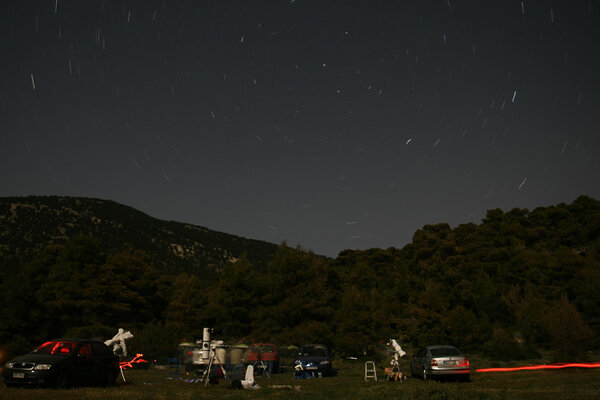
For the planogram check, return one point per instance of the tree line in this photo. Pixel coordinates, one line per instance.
(520, 282)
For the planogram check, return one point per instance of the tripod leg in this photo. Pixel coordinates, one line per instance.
(221, 366)
(207, 371)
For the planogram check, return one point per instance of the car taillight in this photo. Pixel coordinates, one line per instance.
(434, 362)
(466, 361)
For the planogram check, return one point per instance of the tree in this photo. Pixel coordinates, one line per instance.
(569, 333)
(86, 288)
(187, 309)
(61, 294)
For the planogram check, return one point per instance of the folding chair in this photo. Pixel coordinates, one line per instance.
(173, 365)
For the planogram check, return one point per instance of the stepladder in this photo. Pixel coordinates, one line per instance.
(370, 372)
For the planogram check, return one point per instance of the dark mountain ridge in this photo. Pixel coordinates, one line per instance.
(28, 224)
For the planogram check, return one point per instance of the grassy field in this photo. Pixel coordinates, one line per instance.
(349, 383)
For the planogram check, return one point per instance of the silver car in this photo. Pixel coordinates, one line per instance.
(440, 360)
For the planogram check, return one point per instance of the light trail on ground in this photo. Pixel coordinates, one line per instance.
(538, 367)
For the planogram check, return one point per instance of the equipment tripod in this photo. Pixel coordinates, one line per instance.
(206, 374)
(394, 373)
(260, 364)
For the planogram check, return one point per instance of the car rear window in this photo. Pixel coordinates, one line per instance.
(56, 347)
(100, 350)
(313, 351)
(264, 348)
(445, 352)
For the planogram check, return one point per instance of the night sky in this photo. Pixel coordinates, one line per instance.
(330, 124)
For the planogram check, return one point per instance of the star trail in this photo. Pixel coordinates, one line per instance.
(329, 124)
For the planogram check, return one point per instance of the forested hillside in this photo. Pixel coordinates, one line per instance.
(28, 224)
(520, 282)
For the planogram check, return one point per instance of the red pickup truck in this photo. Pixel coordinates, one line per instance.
(265, 353)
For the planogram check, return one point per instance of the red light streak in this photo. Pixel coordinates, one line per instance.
(135, 360)
(544, 366)
(58, 347)
(55, 348)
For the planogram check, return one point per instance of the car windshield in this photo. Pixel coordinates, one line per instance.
(445, 352)
(313, 351)
(56, 347)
